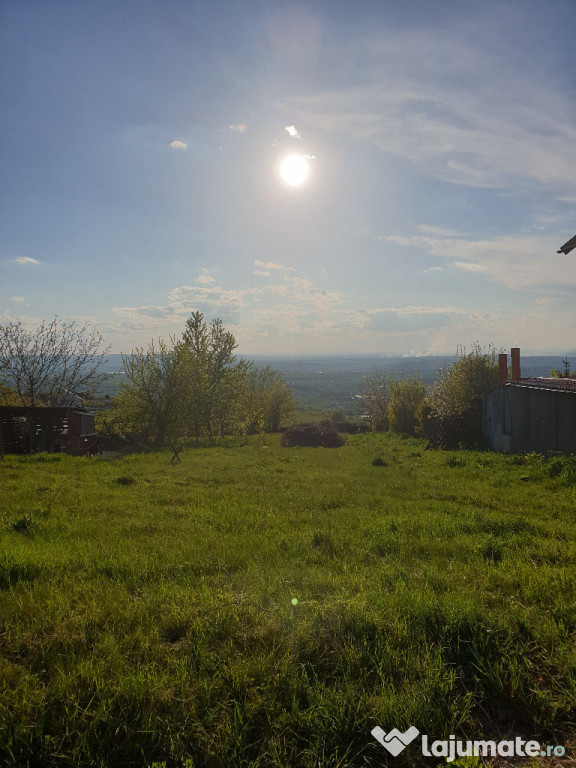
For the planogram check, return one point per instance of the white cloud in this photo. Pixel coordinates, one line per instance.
(291, 131)
(205, 279)
(517, 262)
(300, 283)
(294, 316)
(178, 144)
(471, 267)
(440, 231)
(268, 264)
(470, 118)
(240, 128)
(261, 272)
(416, 310)
(25, 260)
(17, 298)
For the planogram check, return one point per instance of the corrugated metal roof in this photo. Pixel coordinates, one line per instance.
(559, 385)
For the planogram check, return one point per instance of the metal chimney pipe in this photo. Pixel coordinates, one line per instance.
(503, 368)
(515, 352)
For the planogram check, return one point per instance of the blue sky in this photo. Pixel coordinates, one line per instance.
(141, 143)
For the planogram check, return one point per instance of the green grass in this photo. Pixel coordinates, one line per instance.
(147, 609)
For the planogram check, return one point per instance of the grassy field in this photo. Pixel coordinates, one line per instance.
(260, 607)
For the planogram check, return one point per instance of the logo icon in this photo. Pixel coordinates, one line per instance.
(395, 741)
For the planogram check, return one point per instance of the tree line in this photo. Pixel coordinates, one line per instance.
(194, 387)
(189, 388)
(405, 405)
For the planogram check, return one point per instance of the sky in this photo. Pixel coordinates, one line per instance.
(141, 146)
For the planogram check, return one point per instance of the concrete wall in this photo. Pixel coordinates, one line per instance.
(524, 419)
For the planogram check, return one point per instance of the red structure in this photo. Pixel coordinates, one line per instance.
(515, 354)
(503, 368)
(63, 429)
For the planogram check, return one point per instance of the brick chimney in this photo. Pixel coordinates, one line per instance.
(515, 352)
(503, 368)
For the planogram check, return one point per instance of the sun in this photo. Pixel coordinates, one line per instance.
(294, 170)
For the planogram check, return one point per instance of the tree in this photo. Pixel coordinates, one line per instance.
(405, 395)
(565, 373)
(215, 377)
(268, 400)
(374, 400)
(189, 387)
(50, 365)
(152, 400)
(459, 388)
(195, 387)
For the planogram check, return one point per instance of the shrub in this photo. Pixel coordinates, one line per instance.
(425, 420)
(459, 388)
(404, 399)
(456, 397)
(348, 427)
(318, 435)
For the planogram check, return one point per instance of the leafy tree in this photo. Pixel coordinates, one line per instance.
(50, 365)
(215, 377)
(405, 396)
(374, 400)
(459, 388)
(268, 400)
(152, 400)
(195, 387)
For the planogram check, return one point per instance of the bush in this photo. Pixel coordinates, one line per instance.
(456, 398)
(425, 421)
(404, 399)
(322, 435)
(459, 388)
(348, 427)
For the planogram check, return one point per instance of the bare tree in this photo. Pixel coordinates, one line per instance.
(49, 365)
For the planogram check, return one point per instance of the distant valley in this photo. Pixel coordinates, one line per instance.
(331, 381)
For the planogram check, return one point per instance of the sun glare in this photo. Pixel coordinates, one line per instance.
(294, 170)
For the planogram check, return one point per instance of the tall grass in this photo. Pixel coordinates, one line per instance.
(267, 607)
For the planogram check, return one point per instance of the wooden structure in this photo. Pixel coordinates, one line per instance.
(61, 429)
